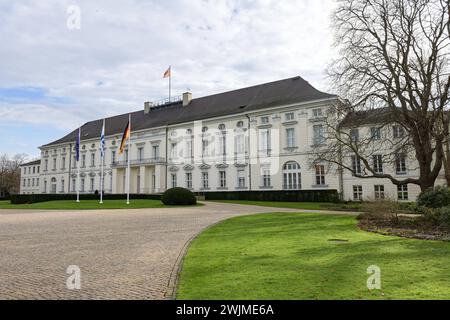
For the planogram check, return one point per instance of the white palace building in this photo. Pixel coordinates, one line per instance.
(255, 138)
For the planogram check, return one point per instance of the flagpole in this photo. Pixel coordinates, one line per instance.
(129, 157)
(78, 164)
(102, 138)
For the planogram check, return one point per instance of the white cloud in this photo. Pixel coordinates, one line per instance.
(116, 61)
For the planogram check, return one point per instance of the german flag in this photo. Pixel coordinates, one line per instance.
(125, 137)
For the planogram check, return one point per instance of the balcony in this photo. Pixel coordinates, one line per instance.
(138, 162)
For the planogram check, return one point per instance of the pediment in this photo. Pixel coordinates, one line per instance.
(204, 166)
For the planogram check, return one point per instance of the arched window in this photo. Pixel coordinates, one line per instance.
(292, 176)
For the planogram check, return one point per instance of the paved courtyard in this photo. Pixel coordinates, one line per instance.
(122, 254)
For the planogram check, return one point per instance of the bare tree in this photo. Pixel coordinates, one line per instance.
(10, 173)
(393, 56)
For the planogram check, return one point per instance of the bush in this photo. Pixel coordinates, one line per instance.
(382, 210)
(178, 196)
(43, 197)
(439, 216)
(285, 195)
(437, 197)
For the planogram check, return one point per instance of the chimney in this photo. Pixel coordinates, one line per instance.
(187, 97)
(147, 106)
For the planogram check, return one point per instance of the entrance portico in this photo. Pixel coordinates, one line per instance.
(146, 176)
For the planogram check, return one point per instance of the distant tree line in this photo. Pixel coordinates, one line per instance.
(10, 174)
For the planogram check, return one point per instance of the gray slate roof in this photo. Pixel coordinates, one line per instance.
(292, 90)
(364, 117)
(31, 163)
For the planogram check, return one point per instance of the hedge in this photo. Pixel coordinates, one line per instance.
(284, 195)
(33, 198)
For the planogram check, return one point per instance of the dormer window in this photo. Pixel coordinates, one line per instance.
(204, 129)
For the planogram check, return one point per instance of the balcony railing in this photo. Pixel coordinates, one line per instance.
(138, 162)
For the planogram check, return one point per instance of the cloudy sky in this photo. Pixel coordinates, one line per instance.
(54, 76)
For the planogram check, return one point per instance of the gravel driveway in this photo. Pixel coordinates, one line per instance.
(122, 254)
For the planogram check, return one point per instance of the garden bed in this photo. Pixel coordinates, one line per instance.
(415, 227)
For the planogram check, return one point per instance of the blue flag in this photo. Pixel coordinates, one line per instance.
(77, 145)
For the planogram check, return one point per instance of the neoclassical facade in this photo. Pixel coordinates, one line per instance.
(30, 177)
(255, 138)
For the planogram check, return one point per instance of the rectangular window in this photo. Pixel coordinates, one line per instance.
(205, 148)
(189, 154)
(92, 185)
(34, 170)
(354, 135)
(38, 169)
(223, 179)
(265, 120)
(379, 192)
(29, 182)
(375, 133)
(54, 164)
(62, 185)
(189, 180)
(82, 185)
(24, 170)
(241, 178)
(318, 134)
(290, 137)
(29, 170)
(205, 180)
(24, 182)
(240, 144)
(140, 153)
(174, 180)
(265, 140)
(155, 151)
(266, 178)
(398, 131)
(113, 157)
(356, 165)
(173, 151)
(32, 182)
(400, 163)
(126, 155)
(223, 145)
(63, 163)
(289, 116)
(317, 113)
(402, 192)
(320, 175)
(45, 186)
(74, 185)
(357, 193)
(83, 161)
(74, 162)
(46, 165)
(92, 159)
(37, 182)
(378, 163)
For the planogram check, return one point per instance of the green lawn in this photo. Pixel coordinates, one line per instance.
(85, 204)
(298, 205)
(289, 256)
